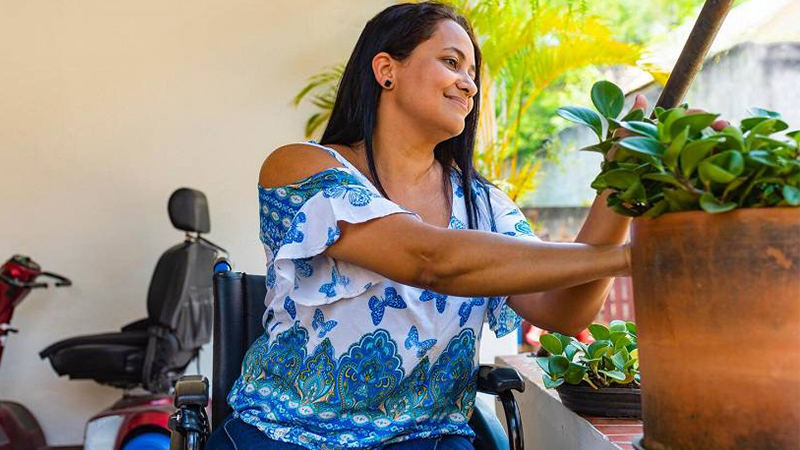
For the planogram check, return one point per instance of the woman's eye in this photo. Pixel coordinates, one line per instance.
(452, 62)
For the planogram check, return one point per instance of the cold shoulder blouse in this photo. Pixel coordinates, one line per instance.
(349, 358)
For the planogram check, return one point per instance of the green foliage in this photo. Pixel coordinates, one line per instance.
(677, 162)
(612, 359)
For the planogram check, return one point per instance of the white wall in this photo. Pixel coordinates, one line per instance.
(105, 109)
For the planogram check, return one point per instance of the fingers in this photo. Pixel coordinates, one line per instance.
(720, 124)
(640, 102)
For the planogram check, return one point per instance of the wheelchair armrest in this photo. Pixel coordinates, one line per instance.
(191, 390)
(500, 381)
(189, 424)
(497, 380)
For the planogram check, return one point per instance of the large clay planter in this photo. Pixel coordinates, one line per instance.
(717, 300)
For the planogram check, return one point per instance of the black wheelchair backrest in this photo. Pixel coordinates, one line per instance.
(238, 313)
(180, 293)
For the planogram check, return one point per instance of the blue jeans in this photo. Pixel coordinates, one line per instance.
(234, 434)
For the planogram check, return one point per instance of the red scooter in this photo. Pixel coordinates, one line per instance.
(138, 422)
(19, 429)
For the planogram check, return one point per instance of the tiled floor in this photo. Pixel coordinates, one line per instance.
(621, 432)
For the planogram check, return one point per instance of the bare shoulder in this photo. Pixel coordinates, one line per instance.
(292, 162)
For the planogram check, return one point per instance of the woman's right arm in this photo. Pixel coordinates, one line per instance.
(454, 262)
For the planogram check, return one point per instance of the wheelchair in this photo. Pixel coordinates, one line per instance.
(238, 311)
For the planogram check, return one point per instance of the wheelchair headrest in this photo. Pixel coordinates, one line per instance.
(188, 210)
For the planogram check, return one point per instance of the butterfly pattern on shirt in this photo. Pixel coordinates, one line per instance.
(378, 305)
(319, 324)
(384, 374)
(412, 341)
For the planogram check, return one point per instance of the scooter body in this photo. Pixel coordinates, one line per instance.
(134, 422)
(19, 429)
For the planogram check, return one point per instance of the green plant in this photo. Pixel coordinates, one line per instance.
(677, 162)
(613, 358)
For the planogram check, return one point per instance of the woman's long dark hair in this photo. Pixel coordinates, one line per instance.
(398, 30)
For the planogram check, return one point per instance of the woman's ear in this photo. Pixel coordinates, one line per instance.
(383, 68)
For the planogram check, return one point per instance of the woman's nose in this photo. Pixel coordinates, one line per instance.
(467, 85)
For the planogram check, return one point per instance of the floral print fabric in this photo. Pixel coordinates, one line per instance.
(349, 358)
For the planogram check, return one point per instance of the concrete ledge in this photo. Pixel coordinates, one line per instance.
(549, 425)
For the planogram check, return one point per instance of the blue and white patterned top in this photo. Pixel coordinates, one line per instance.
(349, 358)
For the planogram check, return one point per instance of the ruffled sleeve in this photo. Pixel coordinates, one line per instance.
(299, 221)
(508, 220)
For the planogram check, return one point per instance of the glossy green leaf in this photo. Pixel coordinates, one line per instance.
(673, 151)
(583, 116)
(558, 365)
(664, 178)
(732, 138)
(620, 178)
(761, 112)
(633, 115)
(634, 194)
(709, 172)
(712, 206)
(619, 361)
(695, 122)
(544, 363)
(641, 128)
(580, 345)
(680, 200)
(551, 343)
(733, 185)
(762, 157)
(599, 332)
(766, 127)
(669, 118)
(659, 111)
(721, 168)
(617, 325)
(602, 147)
(575, 373)
(599, 184)
(565, 340)
(643, 145)
(661, 207)
(550, 383)
(608, 99)
(791, 195)
(631, 327)
(621, 343)
(613, 374)
(794, 135)
(693, 153)
(570, 352)
(598, 348)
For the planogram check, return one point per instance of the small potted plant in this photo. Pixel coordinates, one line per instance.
(716, 269)
(598, 379)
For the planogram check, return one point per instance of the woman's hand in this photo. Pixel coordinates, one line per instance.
(640, 102)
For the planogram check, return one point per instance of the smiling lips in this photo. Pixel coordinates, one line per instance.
(460, 101)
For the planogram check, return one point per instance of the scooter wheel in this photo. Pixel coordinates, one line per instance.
(148, 441)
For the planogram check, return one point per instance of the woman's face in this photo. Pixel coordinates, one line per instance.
(435, 85)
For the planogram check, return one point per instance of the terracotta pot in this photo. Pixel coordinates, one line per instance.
(604, 402)
(717, 300)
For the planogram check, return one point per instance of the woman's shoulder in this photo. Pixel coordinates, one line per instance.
(289, 163)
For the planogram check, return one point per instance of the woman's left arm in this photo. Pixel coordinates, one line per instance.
(570, 310)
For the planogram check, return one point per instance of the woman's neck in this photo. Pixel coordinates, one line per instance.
(404, 157)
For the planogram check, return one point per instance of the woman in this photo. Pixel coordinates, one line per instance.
(386, 252)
